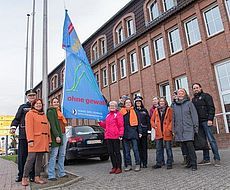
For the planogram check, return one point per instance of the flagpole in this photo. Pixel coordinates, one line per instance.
(32, 48)
(45, 68)
(26, 66)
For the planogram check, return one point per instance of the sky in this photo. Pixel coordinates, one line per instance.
(86, 15)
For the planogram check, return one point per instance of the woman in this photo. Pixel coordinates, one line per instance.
(114, 131)
(145, 125)
(155, 105)
(58, 147)
(38, 138)
(132, 133)
(161, 121)
(185, 125)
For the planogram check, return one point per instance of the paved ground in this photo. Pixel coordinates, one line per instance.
(208, 177)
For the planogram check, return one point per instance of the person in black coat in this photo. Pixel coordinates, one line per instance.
(19, 121)
(145, 125)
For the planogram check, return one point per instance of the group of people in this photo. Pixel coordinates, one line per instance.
(129, 122)
(37, 132)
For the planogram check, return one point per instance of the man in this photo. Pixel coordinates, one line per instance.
(121, 101)
(206, 112)
(19, 121)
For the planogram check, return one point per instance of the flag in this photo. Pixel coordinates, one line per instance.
(82, 98)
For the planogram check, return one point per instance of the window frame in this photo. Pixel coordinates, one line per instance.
(170, 44)
(164, 5)
(179, 78)
(120, 28)
(113, 79)
(104, 79)
(53, 85)
(150, 10)
(144, 57)
(123, 61)
(132, 28)
(133, 65)
(227, 8)
(155, 49)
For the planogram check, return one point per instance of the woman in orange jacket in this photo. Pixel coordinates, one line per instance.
(161, 121)
(38, 138)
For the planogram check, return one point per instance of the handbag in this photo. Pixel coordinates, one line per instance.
(153, 134)
(200, 141)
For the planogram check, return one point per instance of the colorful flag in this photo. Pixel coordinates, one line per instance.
(82, 98)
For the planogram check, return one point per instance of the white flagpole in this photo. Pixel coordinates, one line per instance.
(32, 48)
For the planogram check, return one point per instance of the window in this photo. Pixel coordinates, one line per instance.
(153, 10)
(130, 27)
(145, 56)
(159, 49)
(103, 47)
(133, 62)
(98, 48)
(165, 92)
(136, 94)
(213, 21)
(62, 75)
(104, 77)
(120, 36)
(182, 82)
(227, 3)
(95, 52)
(174, 41)
(168, 4)
(113, 73)
(39, 95)
(54, 82)
(192, 31)
(123, 68)
(97, 78)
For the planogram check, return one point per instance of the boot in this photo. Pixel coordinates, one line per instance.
(38, 180)
(25, 181)
(118, 171)
(113, 171)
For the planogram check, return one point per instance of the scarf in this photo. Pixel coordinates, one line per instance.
(61, 116)
(132, 117)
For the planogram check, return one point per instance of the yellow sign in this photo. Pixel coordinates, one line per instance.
(5, 122)
(6, 118)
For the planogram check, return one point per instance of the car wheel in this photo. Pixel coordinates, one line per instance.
(104, 158)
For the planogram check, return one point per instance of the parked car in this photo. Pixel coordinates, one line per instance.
(12, 151)
(85, 142)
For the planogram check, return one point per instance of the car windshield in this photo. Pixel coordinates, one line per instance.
(83, 130)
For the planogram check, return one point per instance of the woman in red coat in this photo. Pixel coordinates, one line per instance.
(38, 138)
(161, 121)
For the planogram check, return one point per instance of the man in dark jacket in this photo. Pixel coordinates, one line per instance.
(206, 113)
(19, 121)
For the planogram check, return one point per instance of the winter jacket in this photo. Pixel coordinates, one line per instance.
(55, 128)
(19, 120)
(185, 120)
(152, 110)
(166, 134)
(37, 131)
(204, 106)
(113, 125)
(131, 132)
(144, 120)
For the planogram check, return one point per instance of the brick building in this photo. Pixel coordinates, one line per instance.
(152, 47)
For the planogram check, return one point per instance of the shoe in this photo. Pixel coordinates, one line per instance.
(128, 168)
(217, 163)
(118, 171)
(156, 166)
(52, 179)
(194, 168)
(113, 171)
(18, 179)
(188, 165)
(64, 176)
(25, 181)
(137, 168)
(38, 180)
(31, 179)
(185, 160)
(204, 162)
(144, 166)
(169, 167)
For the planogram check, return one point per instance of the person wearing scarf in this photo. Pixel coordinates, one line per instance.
(145, 125)
(185, 125)
(161, 121)
(132, 131)
(38, 138)
(58, 147)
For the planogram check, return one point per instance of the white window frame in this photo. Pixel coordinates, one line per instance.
(143, 56)
(170, 44)
(156, 50)
(54, 85)
(179, 85)
(164, 4)
(228, 8)
(130, 27)
(123, 67)
(169, 99)
(113, 72)
(103, 48)
(150, 10)
(205, 20)
(187, 32)
(97, 78)
(137, 93)
(133, 62)
(120, 34)
(95, 52)
(104, 77)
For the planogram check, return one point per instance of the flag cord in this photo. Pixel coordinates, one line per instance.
(64, 2)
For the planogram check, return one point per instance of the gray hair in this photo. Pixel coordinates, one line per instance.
(114, 103)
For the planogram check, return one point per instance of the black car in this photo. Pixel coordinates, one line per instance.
(85, 142)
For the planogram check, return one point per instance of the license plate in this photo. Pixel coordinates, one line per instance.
(94, 142)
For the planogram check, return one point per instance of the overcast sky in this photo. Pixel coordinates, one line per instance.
(86, 15)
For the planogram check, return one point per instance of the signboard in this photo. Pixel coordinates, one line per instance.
(5, 122)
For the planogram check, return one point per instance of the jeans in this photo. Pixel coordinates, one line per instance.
(143, 150)
(114, 152)
(189, 146)
(60, 151)
(160, 151)
(212, 142)
(127, 156)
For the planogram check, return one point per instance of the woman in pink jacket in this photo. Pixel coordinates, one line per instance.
(114, 131)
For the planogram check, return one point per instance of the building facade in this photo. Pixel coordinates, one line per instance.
(153, 47)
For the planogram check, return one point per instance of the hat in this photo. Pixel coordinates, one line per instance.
(138, 98)
(30, 91)
(124, 97)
